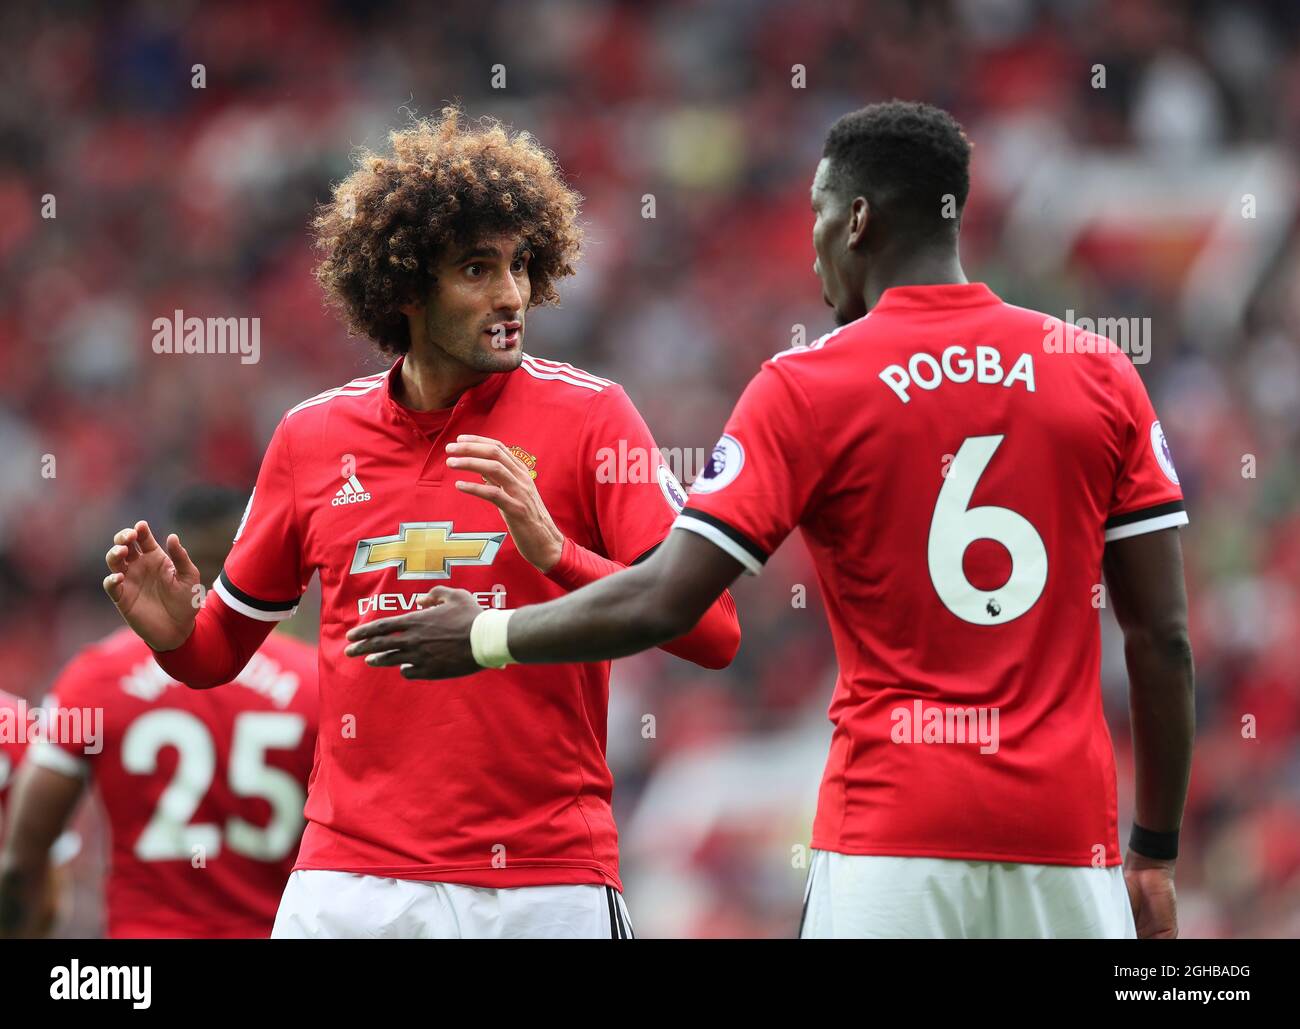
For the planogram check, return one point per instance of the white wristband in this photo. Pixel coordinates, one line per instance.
(487, 639)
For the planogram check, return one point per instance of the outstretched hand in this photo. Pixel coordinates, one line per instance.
(429, 643)
(153, 587)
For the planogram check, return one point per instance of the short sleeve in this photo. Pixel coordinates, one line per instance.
(1147, 495)
(761, 475)
(13, 743)
(635, 494)
(72, 735)
(262, 577)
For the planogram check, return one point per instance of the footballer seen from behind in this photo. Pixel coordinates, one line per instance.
(202, 791)
(484, 809)
(963, 485)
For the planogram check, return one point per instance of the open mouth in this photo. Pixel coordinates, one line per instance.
(504, 335)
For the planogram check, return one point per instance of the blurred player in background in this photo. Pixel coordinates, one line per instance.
(484, 809)
(961, 480)
(14, 745)
(203, 790)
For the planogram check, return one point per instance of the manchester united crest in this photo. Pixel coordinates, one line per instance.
(523, 455)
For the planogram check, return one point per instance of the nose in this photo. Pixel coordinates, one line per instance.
(508, 297)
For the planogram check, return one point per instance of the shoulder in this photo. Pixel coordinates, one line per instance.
(302, 426)
(806, 370)
(98, 664)
(560, 379)
(358, 387)
(564, 391)
(819, 345)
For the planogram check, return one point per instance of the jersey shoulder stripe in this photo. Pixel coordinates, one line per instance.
(355, 388)
(818, 343)
(538, 372)
(561, 366)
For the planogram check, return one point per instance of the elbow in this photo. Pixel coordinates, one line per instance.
(712, 645)
(202, 684)
(1169, 643)
(724, 648)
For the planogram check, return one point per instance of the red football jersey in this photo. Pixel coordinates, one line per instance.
(14, 728)
(203, 789)
(957, 465)
(497, 779)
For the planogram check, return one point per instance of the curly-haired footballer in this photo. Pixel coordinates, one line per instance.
(479, 808)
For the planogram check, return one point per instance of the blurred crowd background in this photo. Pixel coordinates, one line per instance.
(1163, 189)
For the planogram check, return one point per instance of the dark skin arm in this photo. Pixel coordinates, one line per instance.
(645, 606)
(1145, 577)
(40, 807)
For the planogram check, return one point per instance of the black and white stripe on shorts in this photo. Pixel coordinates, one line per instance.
(620, 926)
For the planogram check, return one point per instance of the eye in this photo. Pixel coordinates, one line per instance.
(519, 263)
(473, 270)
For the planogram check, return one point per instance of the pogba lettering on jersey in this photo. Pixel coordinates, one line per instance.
(926, 372)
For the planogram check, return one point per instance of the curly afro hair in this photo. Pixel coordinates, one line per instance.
(905, 158)
(446, 183)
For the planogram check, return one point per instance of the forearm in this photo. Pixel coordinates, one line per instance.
(613, 617)
(1163, 715)
(24, 869)
(19, 881)
(711, 643)
(217, 649)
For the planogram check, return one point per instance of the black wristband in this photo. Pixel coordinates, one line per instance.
(1160, 846)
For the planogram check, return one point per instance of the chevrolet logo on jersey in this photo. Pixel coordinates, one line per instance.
(426, 550)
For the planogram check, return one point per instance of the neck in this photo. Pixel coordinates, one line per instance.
(432, 381)
(931, 268)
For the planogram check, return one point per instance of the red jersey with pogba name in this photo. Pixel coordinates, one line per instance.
(497, 779)
(957, 466)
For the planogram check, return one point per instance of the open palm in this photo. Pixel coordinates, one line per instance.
(152, 587)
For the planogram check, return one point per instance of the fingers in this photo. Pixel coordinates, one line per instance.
(373, 645)
(379, 627)
(113, 586)
(180, 557)
(490, 468)
(129, 539)
(145, 537)
(389, 633)
(121, 554)
(492, 494)
(129, 544)
(437, 595)
(484, 447)
(389, 658)
(116, 558)
(469, 437)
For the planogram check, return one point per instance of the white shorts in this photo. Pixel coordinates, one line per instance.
(322, 905)
(860, 895)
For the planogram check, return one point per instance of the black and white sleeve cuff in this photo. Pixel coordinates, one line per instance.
(245, 604)
(1148, 519)
(750, 555)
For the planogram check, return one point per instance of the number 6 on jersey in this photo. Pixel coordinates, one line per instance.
(955, 526)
